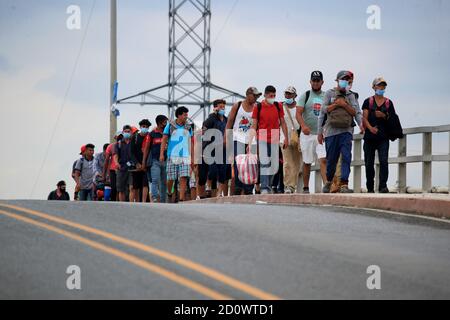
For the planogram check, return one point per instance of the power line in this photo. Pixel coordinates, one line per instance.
(61, 109)
(226, 21)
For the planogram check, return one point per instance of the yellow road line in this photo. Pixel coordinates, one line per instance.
(213, 274)
(127, 257)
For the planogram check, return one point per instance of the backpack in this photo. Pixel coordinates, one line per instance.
(340, 118)
(173, 127)
(75, 164)
(394, 128)
(326, 116)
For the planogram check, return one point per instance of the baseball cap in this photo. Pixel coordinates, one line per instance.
(343, 74)
(291, 89)
(83, 149)
(253, 90)
(134, 130)
(317, 75)
(378, 81)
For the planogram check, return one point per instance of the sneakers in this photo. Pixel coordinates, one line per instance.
(306, 191)
(327, 188)
(264, 191)
(289, 190)
(384, 190)
(344, 189)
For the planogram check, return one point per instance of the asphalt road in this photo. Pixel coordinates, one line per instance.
(199, 251)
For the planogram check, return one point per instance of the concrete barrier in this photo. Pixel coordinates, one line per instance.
(437, 206)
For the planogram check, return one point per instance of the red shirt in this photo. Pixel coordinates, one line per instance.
(269, 121)
(110, 153)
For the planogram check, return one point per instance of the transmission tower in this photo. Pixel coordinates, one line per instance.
(189, 63)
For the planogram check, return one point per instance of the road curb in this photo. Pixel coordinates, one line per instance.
(419, 205)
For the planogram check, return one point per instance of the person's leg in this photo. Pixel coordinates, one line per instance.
(155, 171)
(289, 173)
(202, 178)
(383, 156)
(307, 146)
(113, 180)
(333, 151)
(369, 161)
(346, 153)
(82, 195)
(121, 186)
(163, 182)
(183, 188)
(321, 155)
(145, 192)
(269, 166)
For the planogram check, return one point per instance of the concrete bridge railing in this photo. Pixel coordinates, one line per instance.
(427, 158)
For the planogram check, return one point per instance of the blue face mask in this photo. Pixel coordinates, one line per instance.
(221, 112)
(343, 84)
(289, 101)
(127, 135)
(380, 92)
(144, 130)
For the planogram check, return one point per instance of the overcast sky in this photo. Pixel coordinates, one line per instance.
(263, 42)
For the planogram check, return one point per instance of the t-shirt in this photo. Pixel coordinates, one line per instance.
(179, 143)
(312, 108)
(110, 151)
(155, 139)
(290, 124)
(242, 124)
(123, 151)
(269, 121)
(53, 196)
(137, 147)
(86, 168)
(214, 122)
(377, 122)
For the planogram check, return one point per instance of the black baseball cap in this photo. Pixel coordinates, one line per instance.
(317, 75)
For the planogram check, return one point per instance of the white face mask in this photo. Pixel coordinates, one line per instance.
(270, 101)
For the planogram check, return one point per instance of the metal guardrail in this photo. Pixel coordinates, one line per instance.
(427, 158)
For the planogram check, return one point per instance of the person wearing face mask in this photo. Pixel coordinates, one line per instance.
(376, 112)
(139, 176)
(308, 112)
(84, 173)
(122, 156)
(60, 194)
(156, 169)
(336, 185)
(341, 107)
(292, 156)
(238, 126)
(218, 168)
(268, 118)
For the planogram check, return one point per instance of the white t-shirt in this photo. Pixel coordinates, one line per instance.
(242, 124)
(295, 125)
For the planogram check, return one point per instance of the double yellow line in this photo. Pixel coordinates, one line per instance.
(208, 272)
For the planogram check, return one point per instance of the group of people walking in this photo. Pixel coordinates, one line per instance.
(176, 161)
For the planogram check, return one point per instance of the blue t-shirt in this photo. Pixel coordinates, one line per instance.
(179, 142)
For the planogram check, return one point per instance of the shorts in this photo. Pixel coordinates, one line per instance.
(219, 172)
(123, 181)
(311, 149)
(202, 174)
(140, 179)
(178, 169)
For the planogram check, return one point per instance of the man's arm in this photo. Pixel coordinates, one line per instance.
(147, 146)
(164, 141)
(230, 123)
(252, 132)
(285, 132)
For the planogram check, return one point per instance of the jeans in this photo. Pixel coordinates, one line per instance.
(86, 195)
(269, 163)
(157, 175)
(370, 146)
(336, 146)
